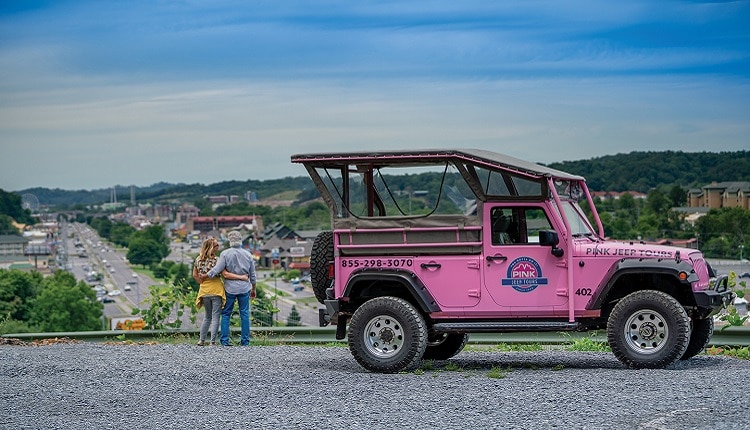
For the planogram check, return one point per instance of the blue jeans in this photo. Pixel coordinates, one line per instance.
(244, 302)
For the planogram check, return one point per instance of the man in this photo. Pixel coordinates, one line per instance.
(238, 261)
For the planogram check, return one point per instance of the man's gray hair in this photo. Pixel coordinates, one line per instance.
(235, 238)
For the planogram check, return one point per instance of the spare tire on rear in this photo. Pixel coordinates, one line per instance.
(320, 256)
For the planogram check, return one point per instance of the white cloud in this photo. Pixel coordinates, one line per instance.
(197, 92)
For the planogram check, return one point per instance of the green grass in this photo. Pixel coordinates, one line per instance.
(506, 347)
(738, 352)
(452, 367)
(587, 344)
(284, 195)
(308, 301)
(496, 372)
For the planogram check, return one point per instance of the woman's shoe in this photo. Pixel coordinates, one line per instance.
(201, 343)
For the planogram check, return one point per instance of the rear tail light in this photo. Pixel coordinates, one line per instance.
(331, 269)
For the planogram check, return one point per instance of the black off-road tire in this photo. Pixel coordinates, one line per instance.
(320, 255)
(648, 329)
(445, 345)
(387, 335)
(699, 337)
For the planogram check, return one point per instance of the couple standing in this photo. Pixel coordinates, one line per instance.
(237, 267)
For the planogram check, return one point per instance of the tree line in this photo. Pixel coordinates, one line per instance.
(635, 171)
(644, 171)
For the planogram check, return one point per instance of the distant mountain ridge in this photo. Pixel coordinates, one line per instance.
(635, 171)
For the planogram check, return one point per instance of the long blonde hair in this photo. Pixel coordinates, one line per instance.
(207, 250)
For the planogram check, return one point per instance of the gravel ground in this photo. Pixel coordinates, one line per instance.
(102, 386)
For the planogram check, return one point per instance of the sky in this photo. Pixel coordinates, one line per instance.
(99, 93)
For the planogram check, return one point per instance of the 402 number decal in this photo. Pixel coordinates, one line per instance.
(584, 292)
(377, 262)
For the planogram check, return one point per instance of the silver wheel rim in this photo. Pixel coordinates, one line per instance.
(384, 336)
(646, 331)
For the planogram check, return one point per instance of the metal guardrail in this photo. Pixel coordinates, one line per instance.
(732, 336)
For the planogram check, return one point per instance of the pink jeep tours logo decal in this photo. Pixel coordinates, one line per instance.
(524, 275)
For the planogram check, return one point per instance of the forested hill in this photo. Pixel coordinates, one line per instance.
(636, 171)
(166, 192)
(643, 171)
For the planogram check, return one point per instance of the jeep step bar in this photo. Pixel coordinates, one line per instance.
(505, 326)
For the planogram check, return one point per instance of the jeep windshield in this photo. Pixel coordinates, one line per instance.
(579, 224)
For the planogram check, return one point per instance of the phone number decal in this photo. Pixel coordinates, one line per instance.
(377, 262)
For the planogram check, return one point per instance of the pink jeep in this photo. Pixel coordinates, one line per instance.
(431, 245)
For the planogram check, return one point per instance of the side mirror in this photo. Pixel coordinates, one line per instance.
(550, 238)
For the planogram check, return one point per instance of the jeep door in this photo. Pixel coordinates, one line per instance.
(453, 281)
(521, 276)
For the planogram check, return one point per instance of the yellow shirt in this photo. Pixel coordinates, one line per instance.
(211, 286)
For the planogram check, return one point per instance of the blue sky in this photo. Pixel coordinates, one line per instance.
(95, 94)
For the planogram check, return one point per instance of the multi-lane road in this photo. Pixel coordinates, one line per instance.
(133, 287)
(126, 289)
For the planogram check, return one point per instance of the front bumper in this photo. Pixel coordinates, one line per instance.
(713, 300)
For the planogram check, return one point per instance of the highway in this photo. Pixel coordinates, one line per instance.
(112, 264)
(104, 258)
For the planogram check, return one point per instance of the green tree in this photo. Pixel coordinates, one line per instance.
(290, 274)
(160, 271)
(16, 289)
(6, 225)
(626, 202)
(102, 225)
(143, 251)
(167, 305)
(64, 305)
(181, 276)
(157, 235)
(678, 196)
(722, 231)
(10, 204)
(294, 318)
(657, 202)
(648, 227)
(120, 234)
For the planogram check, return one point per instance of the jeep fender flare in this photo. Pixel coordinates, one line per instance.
(625, 267)
(363, 281)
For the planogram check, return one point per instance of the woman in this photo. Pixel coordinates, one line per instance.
(211, 294)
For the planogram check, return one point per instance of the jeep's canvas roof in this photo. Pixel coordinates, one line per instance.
(488, 159)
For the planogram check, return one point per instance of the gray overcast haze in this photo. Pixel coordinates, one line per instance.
(101, 93)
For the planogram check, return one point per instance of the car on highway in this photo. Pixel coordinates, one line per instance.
(114, 293)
